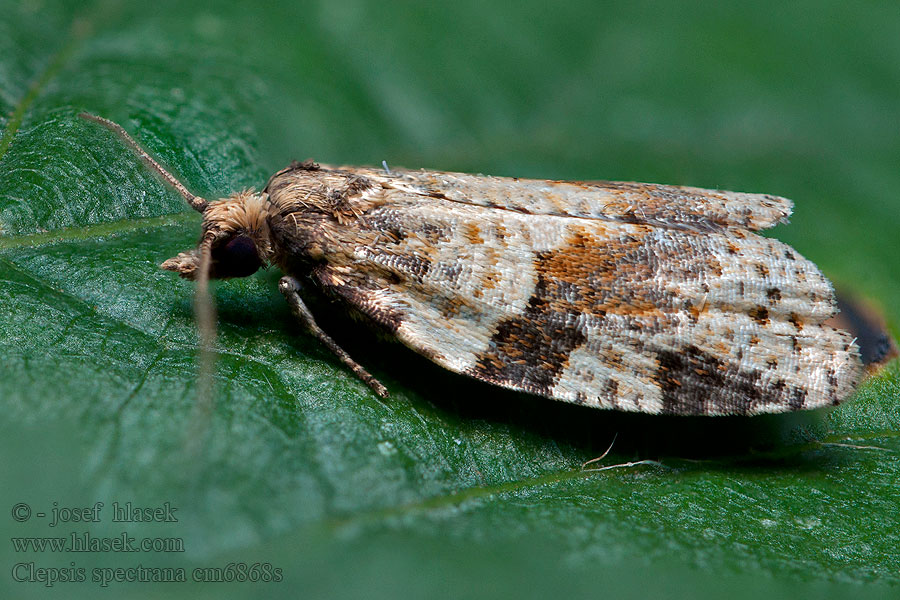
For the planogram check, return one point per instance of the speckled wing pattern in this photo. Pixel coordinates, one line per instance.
(629, 296)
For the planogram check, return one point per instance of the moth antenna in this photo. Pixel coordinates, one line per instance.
(205, 312)
(196, 202)
(387, 169)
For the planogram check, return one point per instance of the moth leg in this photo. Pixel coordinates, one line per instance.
(290, 289)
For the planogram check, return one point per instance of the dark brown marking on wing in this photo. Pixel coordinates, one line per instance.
(694, 382)
(436, 194)
(760, 314)
(611, 392)
(798, 397)
(531, 350)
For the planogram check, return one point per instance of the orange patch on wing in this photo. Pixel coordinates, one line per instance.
(472, 233)
(598, 276)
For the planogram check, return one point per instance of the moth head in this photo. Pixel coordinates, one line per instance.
(236, 236)
(235, 240)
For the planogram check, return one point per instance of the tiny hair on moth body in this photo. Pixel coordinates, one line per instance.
(631, 296)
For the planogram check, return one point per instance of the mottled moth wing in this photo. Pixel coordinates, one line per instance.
(637, 297)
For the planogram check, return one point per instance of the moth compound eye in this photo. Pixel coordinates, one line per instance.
(235, 258)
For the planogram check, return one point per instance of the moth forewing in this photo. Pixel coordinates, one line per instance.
(632, 296)
(616, 295)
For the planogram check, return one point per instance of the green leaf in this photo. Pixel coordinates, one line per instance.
(450, 487)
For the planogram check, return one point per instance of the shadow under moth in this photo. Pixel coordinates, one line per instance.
(629, 296)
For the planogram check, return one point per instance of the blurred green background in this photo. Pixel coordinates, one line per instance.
(449, 488)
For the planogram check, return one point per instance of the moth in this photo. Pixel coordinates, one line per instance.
(631, 296)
